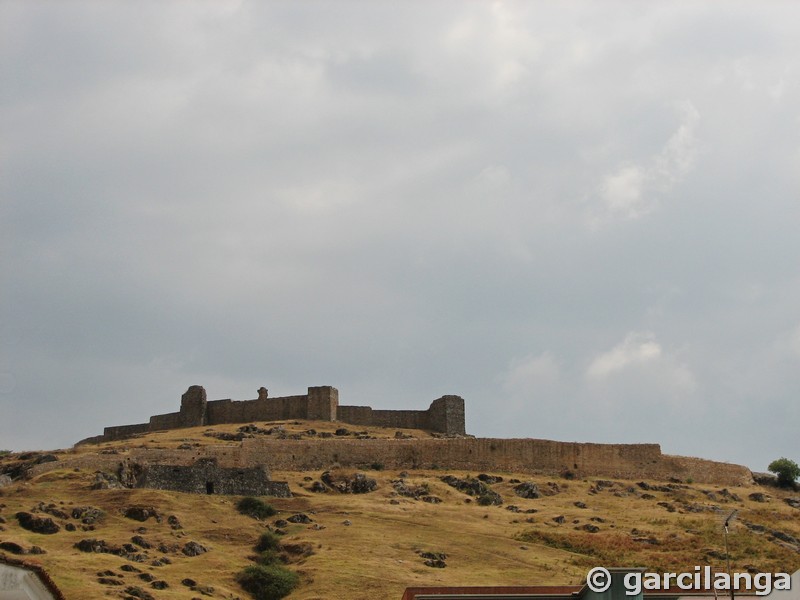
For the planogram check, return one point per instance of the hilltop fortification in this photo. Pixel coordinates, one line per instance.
(445, 415)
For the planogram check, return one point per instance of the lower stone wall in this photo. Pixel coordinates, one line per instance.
(700, 470)
(536, 457)
(626, 461)
(208, 478)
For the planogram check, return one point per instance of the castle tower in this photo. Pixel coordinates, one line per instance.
(193, 407)
(323, 403)
(446, 414)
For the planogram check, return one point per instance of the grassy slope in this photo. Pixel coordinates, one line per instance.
(376, 556)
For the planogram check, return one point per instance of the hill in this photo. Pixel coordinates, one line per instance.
(374, 544)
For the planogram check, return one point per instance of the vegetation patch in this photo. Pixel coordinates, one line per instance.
(255, 507)
(786, 470)
(268, 541)
(268, 582)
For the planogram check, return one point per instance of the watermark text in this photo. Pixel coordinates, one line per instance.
(599, 580)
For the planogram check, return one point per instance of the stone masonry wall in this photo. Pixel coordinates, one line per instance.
(168, 421)
(403, 419)
(120, 432)
(267, 409)
(206, 477)
(627, 461)
(355, 415)
(445, 415)
(536, 457)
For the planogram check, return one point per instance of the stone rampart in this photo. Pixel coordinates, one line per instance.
(532, 456)
(543, 457)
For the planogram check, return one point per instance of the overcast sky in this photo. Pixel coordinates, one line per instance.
(582, 217)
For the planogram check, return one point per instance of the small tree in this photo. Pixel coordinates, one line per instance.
(786, 470)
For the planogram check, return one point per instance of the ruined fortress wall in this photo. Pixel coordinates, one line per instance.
(355, 415)
(262, 409)
(208, 478)
(700, 470)
(404, 419)
(168, 421)
(226, 456)
(445, 415)
(535, 457)
(518, 455)
(367, 416)
(120, 432)
(627, 461)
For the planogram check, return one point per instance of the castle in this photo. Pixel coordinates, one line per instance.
(445, 415)
(223, 468)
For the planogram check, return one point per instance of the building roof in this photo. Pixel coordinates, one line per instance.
(494, 591)
(37, 570)
(579, 592)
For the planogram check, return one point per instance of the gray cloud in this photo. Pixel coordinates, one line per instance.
(581, 219)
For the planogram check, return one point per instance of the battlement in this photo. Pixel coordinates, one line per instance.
(445, 415)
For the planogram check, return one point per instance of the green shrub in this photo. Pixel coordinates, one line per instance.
(268, 541)
(5, 452)
(786, 470)
(268, 557)
(268, 582)
(377, 466)
(255, 507)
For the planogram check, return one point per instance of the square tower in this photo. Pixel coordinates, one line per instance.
(323, 403)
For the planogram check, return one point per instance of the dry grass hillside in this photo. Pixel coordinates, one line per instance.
(371, 545)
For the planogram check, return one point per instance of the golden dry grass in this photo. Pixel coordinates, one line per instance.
(376, 556)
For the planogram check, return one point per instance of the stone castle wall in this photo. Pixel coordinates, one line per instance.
(445, 415)
(466, 454)
(206, 477)
(532, 456)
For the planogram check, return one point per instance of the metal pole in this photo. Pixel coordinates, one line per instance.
(727, 554)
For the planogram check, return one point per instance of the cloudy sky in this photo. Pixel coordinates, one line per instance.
(582, 217)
